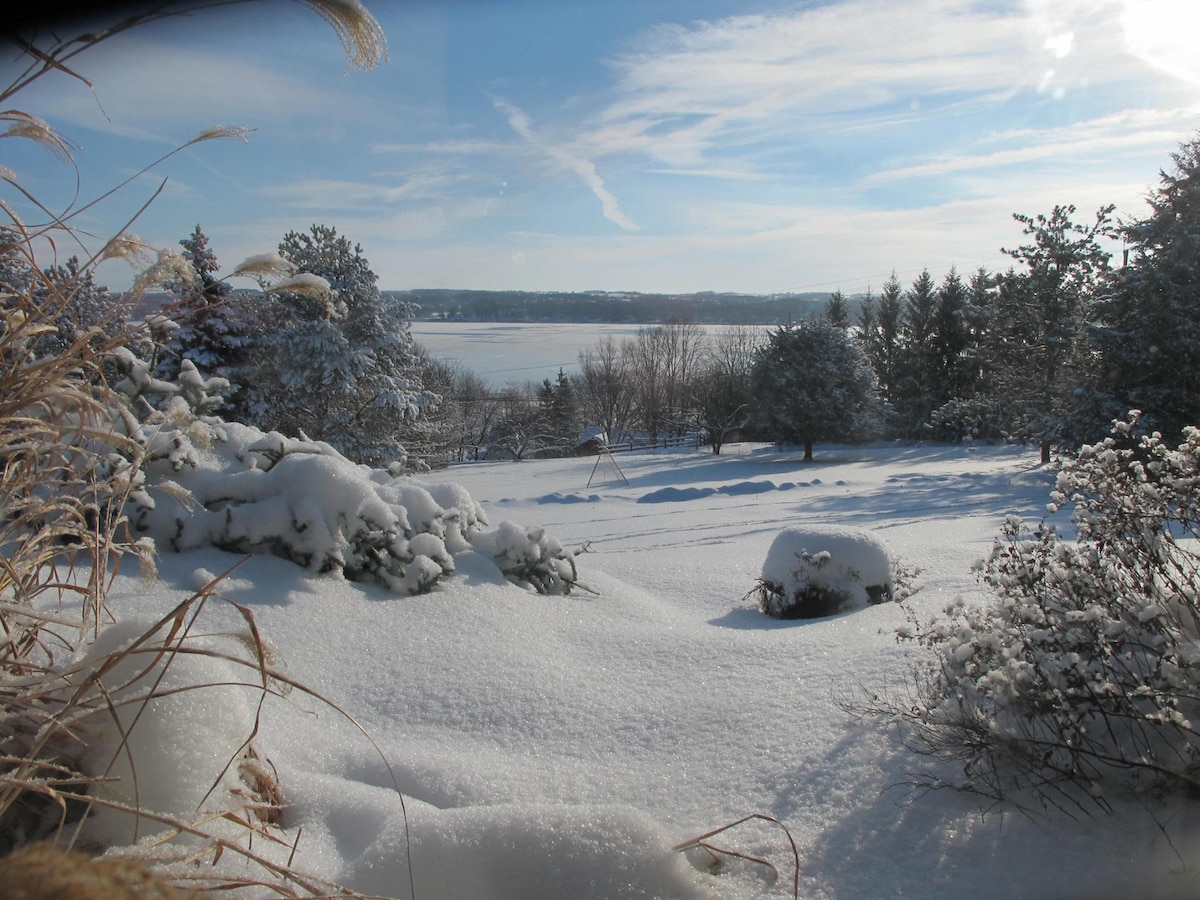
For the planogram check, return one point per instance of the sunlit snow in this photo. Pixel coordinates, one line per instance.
(560, 746)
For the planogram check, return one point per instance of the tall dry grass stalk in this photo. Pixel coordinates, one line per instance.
(65, 469)
(70, 454)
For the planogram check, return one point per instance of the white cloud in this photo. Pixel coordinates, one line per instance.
(1162, 33)
(733, 89)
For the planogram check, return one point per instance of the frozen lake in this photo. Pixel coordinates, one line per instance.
(515, 352)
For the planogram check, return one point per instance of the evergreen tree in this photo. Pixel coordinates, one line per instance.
(867, 334)
(70, 298)
(16, 274)
(813, 383)
(1051, 300)
(216, 330)
(1147, 326)
(837, 313)
(950, 339)
(560, 413)
(919, 361)
(886, 353)
(977, 318)
(974, 409)
(341, 368)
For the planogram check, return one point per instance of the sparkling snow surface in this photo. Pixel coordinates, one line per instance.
(557, 747)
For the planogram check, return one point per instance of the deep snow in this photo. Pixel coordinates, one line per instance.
(555, 747)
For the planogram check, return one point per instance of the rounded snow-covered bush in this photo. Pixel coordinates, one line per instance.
(208, 483)
(813, 571)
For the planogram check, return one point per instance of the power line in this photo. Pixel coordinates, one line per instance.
(884, 277)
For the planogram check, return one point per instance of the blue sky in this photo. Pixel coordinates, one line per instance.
(629, 144)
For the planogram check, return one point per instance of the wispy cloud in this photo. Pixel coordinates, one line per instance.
(334, 194)
(1096, 140)
(581, 166)
(690, 95)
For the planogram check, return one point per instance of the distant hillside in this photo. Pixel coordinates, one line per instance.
(614, 307)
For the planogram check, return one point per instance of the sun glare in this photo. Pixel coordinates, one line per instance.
(1162, 34)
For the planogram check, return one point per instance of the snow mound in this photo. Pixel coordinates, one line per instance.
(736, 489)
(531, 852)
(813, 571)
(177, 721)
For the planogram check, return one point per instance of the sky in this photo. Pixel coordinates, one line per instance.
(642, 145)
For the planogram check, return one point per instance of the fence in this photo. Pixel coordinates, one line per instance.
(692, 440)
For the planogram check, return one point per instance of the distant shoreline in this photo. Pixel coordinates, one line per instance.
(612, 307)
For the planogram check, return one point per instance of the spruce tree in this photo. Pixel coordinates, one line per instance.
(950, 339)
(881, 336)
(917, 380)
(1147, 326)
(1051, 299)
(837, 312)
(813, 383)
(216, 329)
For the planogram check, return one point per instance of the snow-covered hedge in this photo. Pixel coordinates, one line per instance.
(813, 571)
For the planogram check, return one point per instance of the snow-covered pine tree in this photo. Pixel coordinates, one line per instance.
(882, 340)
(560, 412)
(78, 305)
(339, 368)
(950, 338)
(216, 328)
(917, 394)
(837, 312)
(974, 408)
(812, 383)
(1147, 326)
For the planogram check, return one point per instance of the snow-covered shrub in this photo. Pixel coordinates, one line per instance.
(250, 492)
(813, 571)
(208, 483)
(1085, 668)
(463, 517)
(529, 557)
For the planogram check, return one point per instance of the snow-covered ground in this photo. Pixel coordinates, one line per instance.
(558, 747)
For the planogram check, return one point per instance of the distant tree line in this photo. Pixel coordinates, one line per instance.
(625, 307)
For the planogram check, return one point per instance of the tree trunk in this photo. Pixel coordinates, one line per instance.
(1045, 452)
(808, 451)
